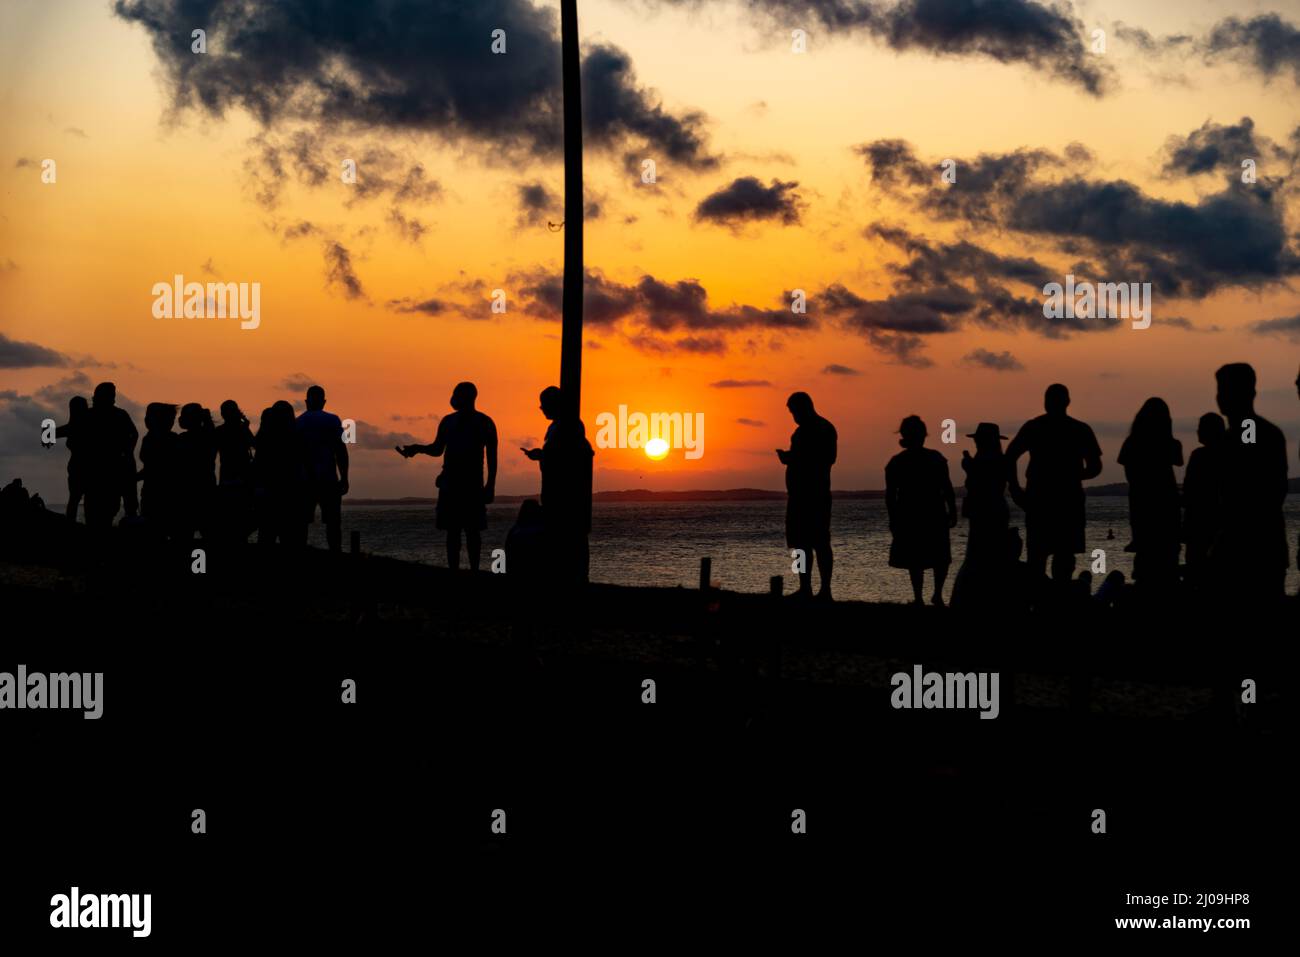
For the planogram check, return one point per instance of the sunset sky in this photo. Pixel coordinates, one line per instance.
(776, 171)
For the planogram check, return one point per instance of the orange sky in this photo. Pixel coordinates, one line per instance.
(141, 196)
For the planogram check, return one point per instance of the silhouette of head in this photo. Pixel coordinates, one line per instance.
(552, 402)
(230, 411)
(192, 415)
(913, 432)
(159, 416)
(315, 399)
(801, 408)
(530, 512)
(77, 405)
(1056, 399)
(1236, 395)
(1210, 428)
(1152, 421)
(463, 396)
(988, 437)
(105, 395)
(282, 411)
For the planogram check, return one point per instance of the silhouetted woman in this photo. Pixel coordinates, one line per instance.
(75, 434)
(985, 504)
(922, 508)
(278, 477)
(1149, 456)
(159, 469)
(1201, 507)
(235, 486)
(197, 449)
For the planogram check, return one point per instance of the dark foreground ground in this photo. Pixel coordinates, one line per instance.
(373, 821)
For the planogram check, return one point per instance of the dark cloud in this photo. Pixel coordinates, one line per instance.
(1288, 327)
(740, 384)
(1178, 246)
(754, 423)
(429, 307)
(982, 186)
(1213, 147)
(1045, 37)
(408, 227)
(746, 199)
(399, 67)
(836, 369)
(376, 438)
(76, 131)
(1266, 42)
(997, 361)
(16, 354)
(297, 382)
(339, 271)
(538, 205)
(651, 308)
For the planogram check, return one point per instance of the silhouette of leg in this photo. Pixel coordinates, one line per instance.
(473, 546)
(453, 548)
(825, 563)
(918, 581)
(940, 576)
(805, 576)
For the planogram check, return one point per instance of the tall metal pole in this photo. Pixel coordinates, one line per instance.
(571, 333)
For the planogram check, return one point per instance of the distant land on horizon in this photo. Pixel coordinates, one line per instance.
(731, 495)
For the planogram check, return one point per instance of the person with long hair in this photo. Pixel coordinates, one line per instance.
(1149, 456)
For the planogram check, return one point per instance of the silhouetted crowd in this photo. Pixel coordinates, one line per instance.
(222, 482)
(1223, 532)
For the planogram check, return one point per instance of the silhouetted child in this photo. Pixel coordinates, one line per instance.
(1201, 507)
(922, 508)
(1113, 592)
(160, 469)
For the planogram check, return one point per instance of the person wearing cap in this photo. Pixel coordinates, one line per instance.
(922, 508)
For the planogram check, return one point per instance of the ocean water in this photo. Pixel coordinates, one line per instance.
(661, 543)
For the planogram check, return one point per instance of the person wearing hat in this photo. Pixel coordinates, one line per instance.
(985, 504)
(922, 508)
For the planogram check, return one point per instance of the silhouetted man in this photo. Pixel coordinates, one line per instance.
(325, 463)
(812, 452)
(464, 439)
(1063, 454)
(566, 460)
(110, 459)
(1250, 552)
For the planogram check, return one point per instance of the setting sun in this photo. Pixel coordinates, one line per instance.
(656, 448)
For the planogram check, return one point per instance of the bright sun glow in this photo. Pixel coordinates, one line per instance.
(656, 448)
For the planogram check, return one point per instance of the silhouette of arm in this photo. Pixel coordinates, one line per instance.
(1091, 457)
(949, 496)
(891, 496)
(1018, 447)
(341, 458)
(491, 452)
